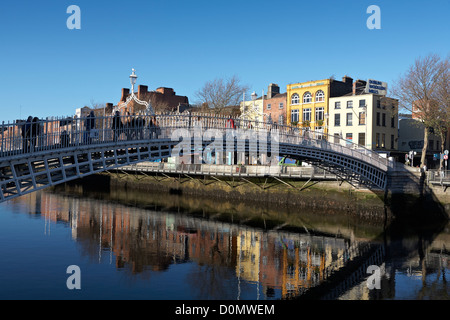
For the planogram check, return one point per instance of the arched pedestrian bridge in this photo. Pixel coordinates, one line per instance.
(35, 155)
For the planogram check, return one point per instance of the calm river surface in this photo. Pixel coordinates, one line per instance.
(133, 245)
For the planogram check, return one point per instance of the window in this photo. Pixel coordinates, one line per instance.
(349, 104)
(295, 99)
(349, 138)
(307, 114)
(280, 119)
(349, 119)
(294, 115)
(392, 141)
(362, 118)
(383, 140)
(393, 121)
(319, 113)
(307, 98)
(377, 140)
(337, 105)
(383, 118)
(269, 106)
(281, 105)
(337, 120)
(362, 103)
(378, 119)
(378, 104)
(320, 96)
(431, 144)
(362, 139)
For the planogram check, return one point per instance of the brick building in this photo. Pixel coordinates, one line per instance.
(162, 100)
(275, 105)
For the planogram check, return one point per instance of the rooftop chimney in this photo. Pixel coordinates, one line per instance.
(142, 90)
(347, 80)
(166, 91)
(358, 86)
(125, 93)
(274, 89)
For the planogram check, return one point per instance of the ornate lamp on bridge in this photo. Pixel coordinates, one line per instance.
(148, 106)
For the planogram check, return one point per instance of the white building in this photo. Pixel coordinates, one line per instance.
(367, 119)
(253, 109)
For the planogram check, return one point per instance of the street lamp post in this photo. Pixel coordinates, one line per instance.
(133, 78)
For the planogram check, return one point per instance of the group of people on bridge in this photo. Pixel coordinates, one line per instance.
(31, 130)
(133, 126)
(36, 133)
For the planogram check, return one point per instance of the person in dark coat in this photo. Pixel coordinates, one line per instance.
(154, 129)
(35, 132)
(139, 127)
(89, 125)
(117, 125)
(26, 132)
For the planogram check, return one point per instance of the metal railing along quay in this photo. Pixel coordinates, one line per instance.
(438, 177)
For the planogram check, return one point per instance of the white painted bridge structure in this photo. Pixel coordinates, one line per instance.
(47, 152)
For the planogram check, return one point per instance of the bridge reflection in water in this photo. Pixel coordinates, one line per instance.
(276, 263)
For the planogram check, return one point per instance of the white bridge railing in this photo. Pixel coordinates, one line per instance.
(24, 138)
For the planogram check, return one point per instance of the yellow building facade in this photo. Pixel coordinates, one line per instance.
(308, 102)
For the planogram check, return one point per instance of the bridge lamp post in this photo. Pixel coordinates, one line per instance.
(133, 78)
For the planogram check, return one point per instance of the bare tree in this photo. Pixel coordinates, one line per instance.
(96, 105)
(220, 93)
(158, 104)
(442, 97)
(416, 91)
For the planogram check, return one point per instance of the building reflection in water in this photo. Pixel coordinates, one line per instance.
(140, 240)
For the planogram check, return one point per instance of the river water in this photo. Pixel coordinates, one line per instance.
(135, 245)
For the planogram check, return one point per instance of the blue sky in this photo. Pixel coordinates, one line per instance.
(47, 69)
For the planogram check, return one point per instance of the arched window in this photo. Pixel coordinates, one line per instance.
(295, 99)
(307, 97)
(320, 96)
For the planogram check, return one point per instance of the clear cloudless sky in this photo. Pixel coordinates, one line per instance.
(48, 70)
